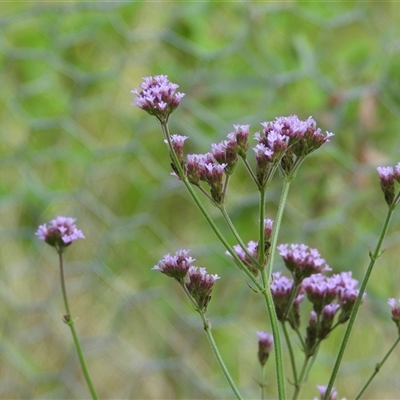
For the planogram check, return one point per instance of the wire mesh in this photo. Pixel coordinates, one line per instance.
(72, 144)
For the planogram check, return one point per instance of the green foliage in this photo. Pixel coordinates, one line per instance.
(71, 144)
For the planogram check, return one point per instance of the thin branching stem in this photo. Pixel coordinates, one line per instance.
(373, 257)
(70, 322)
(377, 369)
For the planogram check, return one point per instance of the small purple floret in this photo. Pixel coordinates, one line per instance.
(60, 233)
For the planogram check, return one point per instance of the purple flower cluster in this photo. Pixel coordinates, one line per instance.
(286, 140)
(330, 296)
(283, 142)
(228, 151)
(265, 343)
(60, 233)
(200, 285)
(302, 261)
(304, 136)
(287, 298)
(176, 266)
(197, 281)
(158, 96)
(387, 178)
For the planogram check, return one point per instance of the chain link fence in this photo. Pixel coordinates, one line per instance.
(72, 144)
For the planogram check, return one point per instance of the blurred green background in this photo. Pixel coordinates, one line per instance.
(72, 144)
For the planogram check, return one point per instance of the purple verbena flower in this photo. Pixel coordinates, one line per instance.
(175, 266)
(281, 289)
(268, 225)
(321, 290)
(346, 288)
(386, 178)
(226, 153)
(302, 261)
(332, 396)
(213, 174)
(397, 172)
(177, 143)
(326, 323)
(200, 285)
(218, 151)
(291, 139)
(158, 96)
(264, 166)
(395, 308)
(60, 233)
(265, 343)
(195, 167)
(252, 248)
(240, 139)
(385, 173)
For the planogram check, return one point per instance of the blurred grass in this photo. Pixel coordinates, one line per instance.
(72, 144)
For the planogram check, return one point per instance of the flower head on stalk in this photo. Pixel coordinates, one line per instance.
(158, 97)
(177, 143)
(213, 175)
(200, 285)
(225, 153)
(332, 396)
(286, 305)
(265, 343)
(387, 178)
(176, 266)
(252, 248)
(395, 308)
(323, 290)
(268, 225)
(291, 139)
(302, 261)
(60, 233)
(240, 139)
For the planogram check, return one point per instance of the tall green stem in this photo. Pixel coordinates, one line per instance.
(277, 226)
(280, 376)
(261, 246)
(377, 369)
(207, 329)
(266, 277)
(70, 322)
(291, 353)
(373, 257)
(214, 347)
(301, 380)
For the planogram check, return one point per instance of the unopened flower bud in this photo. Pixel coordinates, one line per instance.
(312, 334)
(395, 308)
(387, 177)
(265, 343)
